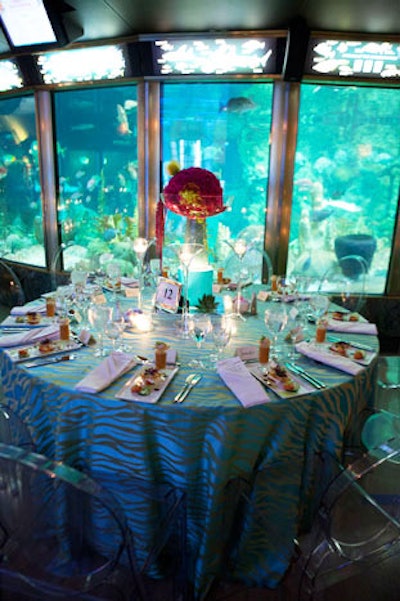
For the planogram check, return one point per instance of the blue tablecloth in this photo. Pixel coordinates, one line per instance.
(198, 445)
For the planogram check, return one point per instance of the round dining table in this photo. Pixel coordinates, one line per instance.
(202, 444)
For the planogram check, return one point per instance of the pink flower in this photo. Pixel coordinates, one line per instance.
(194, 193)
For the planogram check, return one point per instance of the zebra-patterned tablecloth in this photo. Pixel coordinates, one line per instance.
(198, 445)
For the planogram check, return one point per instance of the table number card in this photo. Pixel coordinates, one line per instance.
(168, 295)
(263, 295)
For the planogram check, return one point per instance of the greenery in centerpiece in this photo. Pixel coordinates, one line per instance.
(207, 304)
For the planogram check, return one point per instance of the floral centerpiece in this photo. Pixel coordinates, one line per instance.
(194, 193)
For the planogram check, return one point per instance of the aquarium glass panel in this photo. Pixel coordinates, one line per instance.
(346, 179)
(97, 166)
(21, 220)
(224, 128)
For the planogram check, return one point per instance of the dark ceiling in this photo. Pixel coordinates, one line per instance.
(105, 19)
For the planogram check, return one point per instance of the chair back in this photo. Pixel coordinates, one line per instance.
(156, 514)
(345, 282)
(63, 535)
(357, 525)
(14, 431)
(11, 290)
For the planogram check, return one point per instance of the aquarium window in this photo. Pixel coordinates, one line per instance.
(346, 179)
(367, 59)
(10, 76)
(21, 218)
(220, 56)
(97, 166)
(82, 64)
(225, 129)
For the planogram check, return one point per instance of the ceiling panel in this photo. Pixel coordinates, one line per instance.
(120, 18)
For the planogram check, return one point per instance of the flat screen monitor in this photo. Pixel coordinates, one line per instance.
(32, 25)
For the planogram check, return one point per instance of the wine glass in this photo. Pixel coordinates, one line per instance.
(115, 327)
(276, 319)
(319, 304)
(98, 316)
(114, 276)
(199, 327)
(221, 335)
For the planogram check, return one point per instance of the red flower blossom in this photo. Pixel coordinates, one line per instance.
(194, 193)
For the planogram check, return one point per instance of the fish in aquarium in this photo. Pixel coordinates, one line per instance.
(239, 104)
(123, 123)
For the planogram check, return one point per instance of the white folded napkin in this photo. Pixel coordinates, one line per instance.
(129, 282)
(353, 327)
(323, 356)
(104, 374)
(243, 385)
(38, 305)
(31, 336)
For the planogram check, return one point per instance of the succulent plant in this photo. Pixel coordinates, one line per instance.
(207, 304)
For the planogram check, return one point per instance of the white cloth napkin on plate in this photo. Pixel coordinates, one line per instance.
(353, 327)
(31, 336)
(104, 374)
(39, 306)
(239, 380)
(323, 356)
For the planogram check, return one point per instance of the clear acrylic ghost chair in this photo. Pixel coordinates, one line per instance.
(62, 535)
(156, 514)
(387, 393)
(14, 431)
(11, 290)
(356, 528)
(345, 282)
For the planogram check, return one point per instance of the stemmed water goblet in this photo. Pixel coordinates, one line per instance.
(98, 316)
(240, 248)
(114, 275)
(115, 326)
(199, 327)
(276, 319)
(221, 334)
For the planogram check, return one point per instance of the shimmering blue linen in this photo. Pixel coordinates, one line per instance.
(198, 445)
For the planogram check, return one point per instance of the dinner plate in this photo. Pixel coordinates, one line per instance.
(155, 391)
(351, 352)
(277, 386)
(20, 321)
(60, 346)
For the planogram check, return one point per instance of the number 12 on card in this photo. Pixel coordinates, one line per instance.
(168, 295)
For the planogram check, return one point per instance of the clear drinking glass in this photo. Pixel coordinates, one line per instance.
(98, 316)
(276, 319)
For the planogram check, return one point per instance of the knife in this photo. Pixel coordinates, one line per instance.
(189, 387)
(364, 347)
(306, 376)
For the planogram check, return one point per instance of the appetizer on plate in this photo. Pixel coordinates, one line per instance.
(346, 350)
(46, 346)
(280, 376)
(344, 316)
(149, 379)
